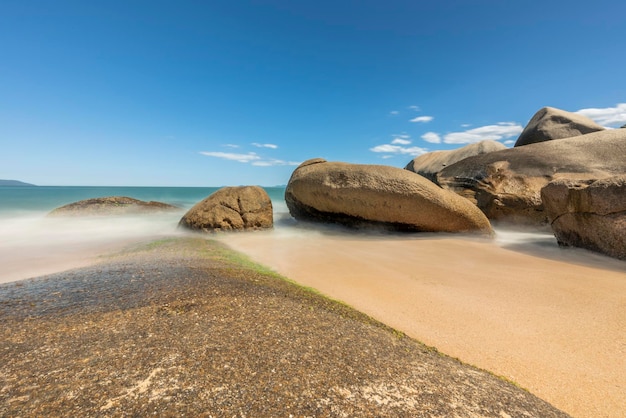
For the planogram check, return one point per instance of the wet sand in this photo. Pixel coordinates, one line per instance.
(551, 320)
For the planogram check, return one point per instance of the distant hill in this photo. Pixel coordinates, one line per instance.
(14, 183)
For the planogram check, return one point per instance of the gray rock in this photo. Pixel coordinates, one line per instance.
(231, 209)
(428, 165)
(551, 123)
(589, 214)
(506, 185)
(377, 196)
(113, 205)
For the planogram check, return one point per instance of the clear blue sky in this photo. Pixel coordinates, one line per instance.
(211, 93)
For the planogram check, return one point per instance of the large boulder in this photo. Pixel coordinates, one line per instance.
(112, 205)
(589, 214)
(551, 123)
(428, 165)
(377, 196)
(506, 185)
(231, 209)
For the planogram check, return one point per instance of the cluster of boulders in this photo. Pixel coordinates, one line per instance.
(537, 183)
(554, 175)
(564, 171)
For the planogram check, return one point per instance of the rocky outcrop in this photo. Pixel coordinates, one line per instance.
(506, 185)
(231, 209)
(113, 205)
(428, 165)
(589, 214)
(377, 196)
(551, 123)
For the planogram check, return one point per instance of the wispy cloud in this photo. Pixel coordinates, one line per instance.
(432, 137)
(273, 162)
(394, 113)
(423, 119)
(399, 146)
(607, 116)
(400, 141)
(397, 149)
(242, 158)
(272, 146)
(497, 132)
(231, 146)
(415, 108)
(249, 158)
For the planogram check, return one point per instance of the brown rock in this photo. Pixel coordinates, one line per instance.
(375, 195)
(428, 165)
(551, 123)
(231, 208)
(589, 214)
(114, 205)
(506, 185)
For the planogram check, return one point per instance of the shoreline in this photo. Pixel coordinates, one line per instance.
(185, 326)
(542, 317)
(549, 320)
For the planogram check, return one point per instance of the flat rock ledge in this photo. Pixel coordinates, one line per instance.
(113, 205)
(175, 328)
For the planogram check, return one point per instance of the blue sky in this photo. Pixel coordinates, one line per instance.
(212, 93)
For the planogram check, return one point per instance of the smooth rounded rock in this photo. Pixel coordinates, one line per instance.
(367, 196)
(231, 209)
(428, 165)
(551, 123)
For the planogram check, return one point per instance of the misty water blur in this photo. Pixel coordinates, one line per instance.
(32, 244)
(35, 244)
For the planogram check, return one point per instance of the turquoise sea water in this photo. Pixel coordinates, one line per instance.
(21, 200)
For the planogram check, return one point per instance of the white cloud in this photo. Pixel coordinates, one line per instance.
(272, 146)
(432, 137)
(606, 116)
(250, 157)
(271, 163)
(242, 158)
(502, 130)
(401, 141)
(394, 112)
(509, 142)
(423, 119)
(397, 149)
(231, 146)
(416, 108)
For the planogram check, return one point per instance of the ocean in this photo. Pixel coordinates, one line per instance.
(32, 244)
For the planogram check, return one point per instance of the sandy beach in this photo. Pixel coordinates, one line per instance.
(185, 327)
(551, 320)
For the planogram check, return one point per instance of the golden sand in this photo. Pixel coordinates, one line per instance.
(551, 320)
